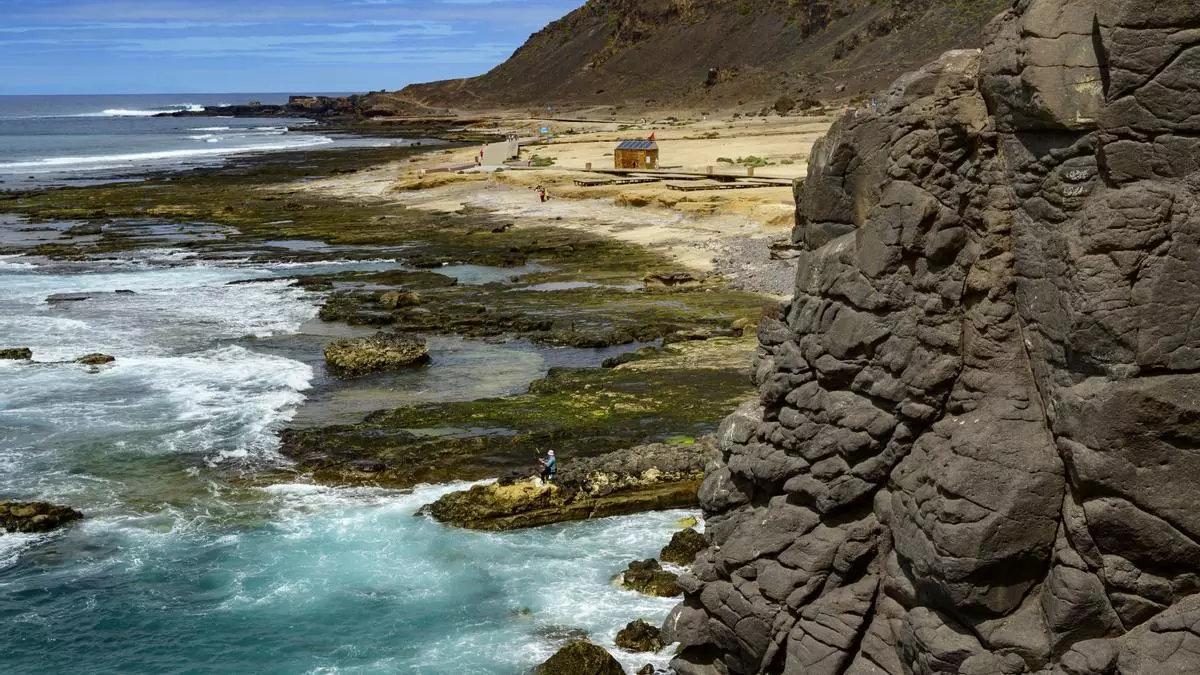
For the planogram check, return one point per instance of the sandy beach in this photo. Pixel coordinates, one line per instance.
(728, 232)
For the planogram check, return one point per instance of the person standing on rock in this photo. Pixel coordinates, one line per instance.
(549, 467)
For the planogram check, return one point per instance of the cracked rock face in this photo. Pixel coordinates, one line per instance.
(976, 444)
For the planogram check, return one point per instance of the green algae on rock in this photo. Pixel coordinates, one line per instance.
(645, 478)
(639, 636)
(648, 577)
(578, 412)
(683, 548)
(581, 658)
(16, 354)
(31, 517)
(377, 353)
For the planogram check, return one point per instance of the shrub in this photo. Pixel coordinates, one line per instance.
(753, 160)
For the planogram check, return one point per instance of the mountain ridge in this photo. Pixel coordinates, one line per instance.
(718, 53)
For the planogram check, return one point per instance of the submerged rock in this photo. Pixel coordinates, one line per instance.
(561, 633)
(683, 548)
(378, 353)
(16, 354)
(31, 517)
(581, 658)
(639, 636)
(648, 577)
(84, 230)
(644, 478)
(58, 298)
(95, 359)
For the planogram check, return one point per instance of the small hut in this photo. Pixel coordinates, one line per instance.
(636, 155)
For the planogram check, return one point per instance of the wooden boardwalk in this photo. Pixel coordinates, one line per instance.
(596, 182)
(698, 185)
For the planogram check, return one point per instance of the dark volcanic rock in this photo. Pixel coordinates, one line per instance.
(975, 445)
(16, 354)
(647, 576)
(639, 636)
(581, 658)
(59, 298)
(683, 548)
(95, 359)
(378, 353)
(29, 517)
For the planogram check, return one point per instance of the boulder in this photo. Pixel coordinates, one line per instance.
(95, 359)
(16, 354)
(378, 353)
(683, 548)
(639, 636)
(396, 299)
(581, 658)
(648, 577)
(32, 517)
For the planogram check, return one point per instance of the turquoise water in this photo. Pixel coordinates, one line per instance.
(191, 561)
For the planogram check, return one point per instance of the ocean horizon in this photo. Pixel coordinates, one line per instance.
(69, 139)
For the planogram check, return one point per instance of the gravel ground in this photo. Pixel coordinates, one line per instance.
(748, 261)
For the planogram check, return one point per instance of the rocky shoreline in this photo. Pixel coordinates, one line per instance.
(634, 435)
(688, 360)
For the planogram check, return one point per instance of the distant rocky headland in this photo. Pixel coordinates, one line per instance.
(354, 107)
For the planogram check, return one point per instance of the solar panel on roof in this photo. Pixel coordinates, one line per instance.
(637, 145)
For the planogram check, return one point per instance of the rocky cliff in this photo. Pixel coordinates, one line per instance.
(975, 449)
(717, 52)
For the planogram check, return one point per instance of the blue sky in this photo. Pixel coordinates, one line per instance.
(295, 46)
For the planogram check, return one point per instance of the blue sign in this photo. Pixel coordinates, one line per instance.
(545, 130)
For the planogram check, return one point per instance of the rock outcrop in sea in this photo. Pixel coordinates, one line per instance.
(683, 548)
(34, 517)
(639, 636)
(580, 658)
(975, 449)
(643, 478)
(648, 577)
(378, 353)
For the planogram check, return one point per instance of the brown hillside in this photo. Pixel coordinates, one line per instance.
(664, 52)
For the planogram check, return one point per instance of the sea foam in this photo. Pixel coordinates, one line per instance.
(101, 162)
